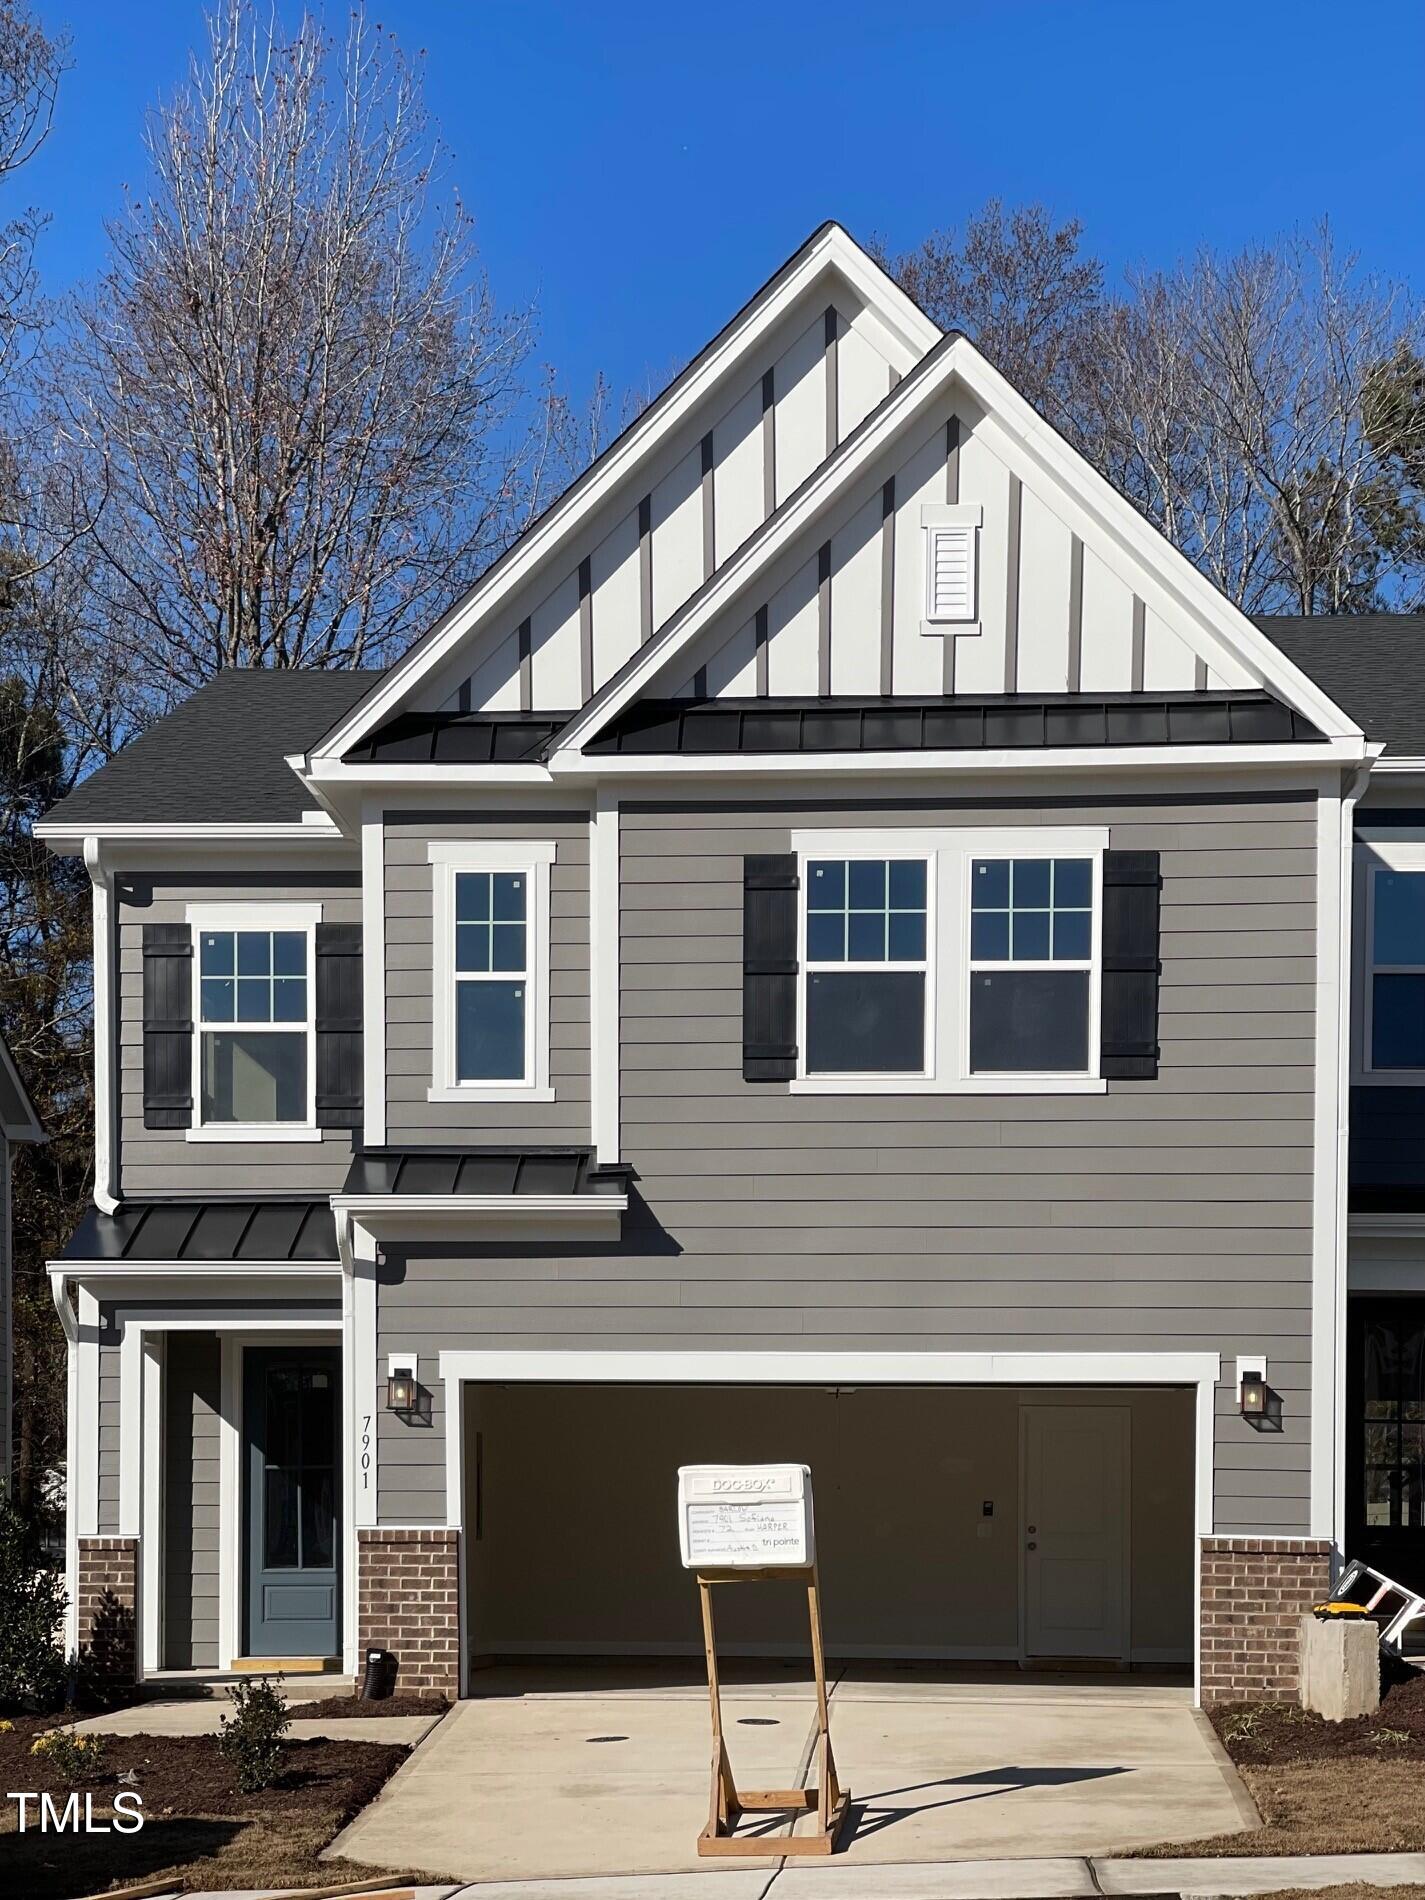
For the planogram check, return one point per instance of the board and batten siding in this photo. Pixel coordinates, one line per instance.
(162, 1160)
(192, 1373)
(1172, 1215)
(411, 1117)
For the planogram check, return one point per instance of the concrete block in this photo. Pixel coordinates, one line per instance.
(1340, 1666)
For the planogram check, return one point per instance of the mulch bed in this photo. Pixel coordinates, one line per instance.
(195, 1820)
(339, 1707)
(1274, 1734)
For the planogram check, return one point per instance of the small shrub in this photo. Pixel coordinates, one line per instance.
(34, 1673)
(76, 1757)
(1393, 1736)
(251, 1737)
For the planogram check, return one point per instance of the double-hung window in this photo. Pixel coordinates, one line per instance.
(254, 1017)
(950, 960)
(490, 1021)
(1393, 1028)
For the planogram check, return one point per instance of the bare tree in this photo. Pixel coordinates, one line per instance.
(1229, 399)
(291, 384)
(31, 62)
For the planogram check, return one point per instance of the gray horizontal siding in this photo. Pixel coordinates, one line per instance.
(1167, 1215)
(161, 1160)
(108, 1514)
(191, 1515)
(410, 962)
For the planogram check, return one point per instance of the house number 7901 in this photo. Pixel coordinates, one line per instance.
(366, 1452)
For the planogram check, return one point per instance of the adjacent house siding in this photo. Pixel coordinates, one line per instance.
(1171, 1215)
(162, 1160)
(192, 1377)
(7, 1423)
(410, 1116)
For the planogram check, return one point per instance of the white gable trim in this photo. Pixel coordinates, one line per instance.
(909, 333)
(1087, 503)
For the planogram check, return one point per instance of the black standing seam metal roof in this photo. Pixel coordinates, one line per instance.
(208, 1233)
(950, 723)
(416, 738)
(512, 1171)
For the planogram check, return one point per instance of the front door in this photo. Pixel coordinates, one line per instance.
(293, 1482)
(1385, 1437)
(1075, 1530)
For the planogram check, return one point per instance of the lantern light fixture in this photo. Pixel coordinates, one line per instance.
(401, 1388)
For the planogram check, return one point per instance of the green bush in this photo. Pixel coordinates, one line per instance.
(34, 1673)
(251, 1738)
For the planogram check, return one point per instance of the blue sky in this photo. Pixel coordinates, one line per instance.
(639, 169)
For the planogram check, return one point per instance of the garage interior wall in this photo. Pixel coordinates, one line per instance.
(571, 1524)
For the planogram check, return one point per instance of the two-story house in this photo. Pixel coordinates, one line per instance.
(838, 948)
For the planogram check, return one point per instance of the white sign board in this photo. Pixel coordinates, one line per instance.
(736, 1517)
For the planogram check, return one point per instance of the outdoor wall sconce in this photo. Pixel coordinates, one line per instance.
(402, 1391)
(1258, 1403)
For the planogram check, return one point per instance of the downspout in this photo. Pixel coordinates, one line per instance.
(105, 1170)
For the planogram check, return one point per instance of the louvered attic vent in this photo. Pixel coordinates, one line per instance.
(951, 547)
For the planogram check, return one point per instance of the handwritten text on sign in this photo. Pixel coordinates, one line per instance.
(745, 1516)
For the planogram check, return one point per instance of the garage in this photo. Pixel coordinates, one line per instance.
(995, 1524)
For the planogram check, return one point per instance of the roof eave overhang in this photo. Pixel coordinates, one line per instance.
(67, 838)
(208, 1272)
(829, 251)
(467, 1207)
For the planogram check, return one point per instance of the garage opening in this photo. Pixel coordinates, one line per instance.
(998, 1525)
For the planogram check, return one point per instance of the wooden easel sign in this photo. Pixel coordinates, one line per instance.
(749, 1524)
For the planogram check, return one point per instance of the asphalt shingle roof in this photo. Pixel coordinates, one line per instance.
(221, 756)
(1372, 665)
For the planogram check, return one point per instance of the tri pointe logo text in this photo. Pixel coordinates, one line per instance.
(76, 1817)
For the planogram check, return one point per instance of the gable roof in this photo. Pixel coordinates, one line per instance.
(19, 1120)
(1372, 665)
(1089, 504)
(220, 757)
(829, 250)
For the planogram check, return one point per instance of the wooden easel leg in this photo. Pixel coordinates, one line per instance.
(723, 1804)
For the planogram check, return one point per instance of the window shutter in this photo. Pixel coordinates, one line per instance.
(167, 1026)
(1132, 881)
(950, 573)
(769, 968)
(338, 1025)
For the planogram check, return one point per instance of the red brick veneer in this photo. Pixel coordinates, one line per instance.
(107, 1598)
(1253, 1591)
(408, 1601)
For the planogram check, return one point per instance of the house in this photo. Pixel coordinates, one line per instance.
(839, 947)
(18, 1123)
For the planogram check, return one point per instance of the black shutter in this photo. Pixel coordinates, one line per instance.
(1132, 881)
(167, 1026)
(769, 968)
(339, 1014)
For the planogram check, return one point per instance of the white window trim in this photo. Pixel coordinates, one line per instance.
(1372, 857)
(255, 914)
(534, 860)
(935, 515)
(948, 853)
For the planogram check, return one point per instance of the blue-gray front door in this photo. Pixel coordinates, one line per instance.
(293, 1543)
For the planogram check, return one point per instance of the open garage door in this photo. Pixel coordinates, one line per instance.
(923, 1500)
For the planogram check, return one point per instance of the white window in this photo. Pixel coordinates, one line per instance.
(490, 1020)
(950, 961)
(254, 1015)
(1393, 1000)
(952, 535)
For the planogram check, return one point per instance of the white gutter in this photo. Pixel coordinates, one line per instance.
(106, 1172)
(365, 1207)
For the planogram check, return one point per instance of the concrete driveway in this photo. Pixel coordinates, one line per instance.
(549, 1774)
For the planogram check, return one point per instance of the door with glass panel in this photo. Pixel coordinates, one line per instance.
(293, 1483)
(1386, 1436)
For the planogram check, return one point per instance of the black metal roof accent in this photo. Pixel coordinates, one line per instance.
(208, 1233)
(1386, 1171)
(950, 724)
(412, 1171)
(442, 738)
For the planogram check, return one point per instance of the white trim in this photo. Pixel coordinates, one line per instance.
(87, 1474)
(254, 913)
(373, 977)
(1006, 1084)
(151, 1420)
(964, 521)
(830, 251)
(106, 1160)
(350, 1413)
(534, 861)
(229, 1499)
(201, 1273)
(131, 1430)
(260, 916)
(59, 1292)
(252, 1131)
(316, 828)
(1370, 857)
(604, 1027)
(470, 1206)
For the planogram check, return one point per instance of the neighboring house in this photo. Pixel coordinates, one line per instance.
(837, 948)
(18, 1122)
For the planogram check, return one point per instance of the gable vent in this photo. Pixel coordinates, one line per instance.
(950, 550)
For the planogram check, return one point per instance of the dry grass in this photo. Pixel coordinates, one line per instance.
(1326, 1807)
(1357, 1890)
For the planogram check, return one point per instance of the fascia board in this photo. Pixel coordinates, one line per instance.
(367, 1207)
(320, 829)
(831, 249)
(1083, 485)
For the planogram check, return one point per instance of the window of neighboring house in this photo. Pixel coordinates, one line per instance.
(867, 931)
(491, 970)
(254, 1017)
(949, 960)
(1395, 1004)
